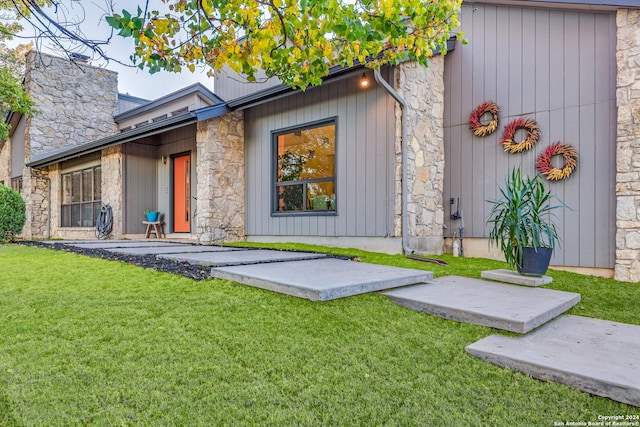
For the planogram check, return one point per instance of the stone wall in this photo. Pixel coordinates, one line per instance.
(75, 103)
(35, 192)
(423, 91)
(5, 162)
(220, 206)
(628, 146)
(112, 185)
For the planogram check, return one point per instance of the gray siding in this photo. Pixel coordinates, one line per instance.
(364, 160)
(230, 85)
(140, 185)
(147, 181)
(558, 68)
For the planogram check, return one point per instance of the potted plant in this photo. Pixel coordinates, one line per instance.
(152, 216)
(522, 226)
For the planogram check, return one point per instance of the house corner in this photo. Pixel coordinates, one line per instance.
(627, 260)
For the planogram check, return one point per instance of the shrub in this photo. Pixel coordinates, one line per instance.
(12, 214)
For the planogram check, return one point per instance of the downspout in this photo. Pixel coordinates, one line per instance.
(405, 185)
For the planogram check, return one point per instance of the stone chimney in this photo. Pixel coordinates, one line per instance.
(75, 102)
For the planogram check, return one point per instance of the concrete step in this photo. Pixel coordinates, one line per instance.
(515, 278)
(175, 250)
(600, 357)
(322, 279)
(229, 257)
(508, 307)
(107, 244)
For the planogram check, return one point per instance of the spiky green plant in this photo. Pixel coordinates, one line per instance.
(522, 217)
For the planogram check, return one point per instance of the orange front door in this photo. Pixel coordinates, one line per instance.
(182, 194)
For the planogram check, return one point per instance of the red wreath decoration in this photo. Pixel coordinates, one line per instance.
(543, 163)
(510, 130)
(480, 129)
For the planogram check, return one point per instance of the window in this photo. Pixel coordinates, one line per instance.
(16, 184)
(305, 169)
(81, 197)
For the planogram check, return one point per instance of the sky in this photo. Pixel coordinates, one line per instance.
(133, 81)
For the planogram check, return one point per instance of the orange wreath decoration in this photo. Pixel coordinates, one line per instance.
(510, 130)
(480, 129)
(543, 163)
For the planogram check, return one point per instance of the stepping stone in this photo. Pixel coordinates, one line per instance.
(105, 244)
(241, 257)
(322, 279)
(515, 278)
(172, 251)
(508, 307)
(600, 357)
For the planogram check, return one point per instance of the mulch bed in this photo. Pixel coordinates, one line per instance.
(197, 272)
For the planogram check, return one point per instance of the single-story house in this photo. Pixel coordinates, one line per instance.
(262, 162)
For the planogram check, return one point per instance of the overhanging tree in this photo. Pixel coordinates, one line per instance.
(295, 40)
(12, 96)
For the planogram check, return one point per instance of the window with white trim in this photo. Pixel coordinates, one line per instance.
(305, 169)
(81, 197)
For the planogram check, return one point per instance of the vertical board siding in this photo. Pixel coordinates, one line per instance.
(558, 68)
(147, 181)
(140, 185)
(365, 134)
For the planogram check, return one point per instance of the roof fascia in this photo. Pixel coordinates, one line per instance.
(196, 88)
(50, 158)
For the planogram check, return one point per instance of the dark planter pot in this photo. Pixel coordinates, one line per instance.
(535, 262)
(152, 216)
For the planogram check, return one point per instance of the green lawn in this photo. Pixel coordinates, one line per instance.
(88, 341)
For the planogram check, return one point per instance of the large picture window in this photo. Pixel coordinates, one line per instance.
(305, 169)
(81, 197)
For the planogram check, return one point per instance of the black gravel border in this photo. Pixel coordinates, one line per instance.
(196, 272)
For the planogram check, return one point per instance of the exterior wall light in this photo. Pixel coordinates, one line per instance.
(364, 80)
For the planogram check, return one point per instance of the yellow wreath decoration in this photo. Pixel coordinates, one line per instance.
(480, 129)
(510, 130)
(543, 163)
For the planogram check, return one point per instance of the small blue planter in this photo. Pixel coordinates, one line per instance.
(152, 216)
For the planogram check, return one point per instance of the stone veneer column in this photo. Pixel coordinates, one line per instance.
(220, 206)
(35, 192)
(5, 162)
(422, 89)
(112, 185)
(628, 146)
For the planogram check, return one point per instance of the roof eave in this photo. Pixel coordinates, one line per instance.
(275, 92)
(130, 135)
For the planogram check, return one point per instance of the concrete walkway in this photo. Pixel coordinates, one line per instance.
(307, 275)
(596, 356)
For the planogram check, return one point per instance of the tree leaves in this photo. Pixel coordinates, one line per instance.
(295, 40)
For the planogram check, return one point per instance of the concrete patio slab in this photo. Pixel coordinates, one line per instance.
(106, 244)
(172, 251)
(509, 307)
(74, 242)
(600, 357)
(515, 278)
(322, 279)
(242, 257)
